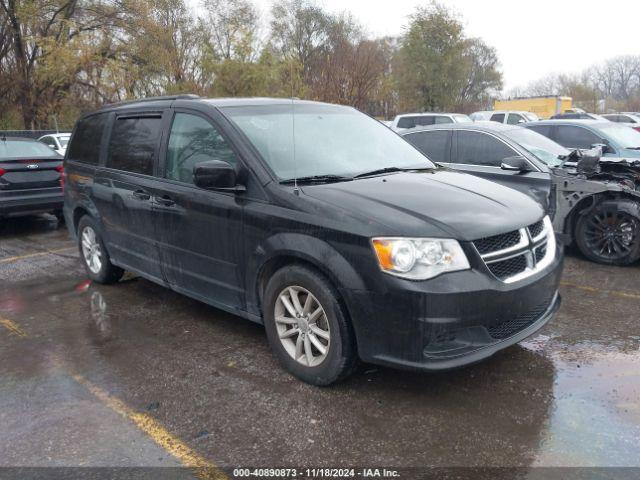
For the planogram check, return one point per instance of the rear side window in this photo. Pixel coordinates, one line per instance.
(87, 139)
(434, 145)
(418, 121)
(476, 148)
(497, 117)
(570, 136)
(133, 144)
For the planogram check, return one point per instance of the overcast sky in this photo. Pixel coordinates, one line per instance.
(533, 37)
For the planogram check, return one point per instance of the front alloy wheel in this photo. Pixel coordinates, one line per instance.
(610, 234)
(302, 326)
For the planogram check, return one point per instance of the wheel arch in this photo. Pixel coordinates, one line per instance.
(299, 249)
(590, 202)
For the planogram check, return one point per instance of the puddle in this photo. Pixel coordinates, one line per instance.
(595, 416)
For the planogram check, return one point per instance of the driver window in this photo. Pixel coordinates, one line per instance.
(514, 119)
(476, 148)
(193, 140)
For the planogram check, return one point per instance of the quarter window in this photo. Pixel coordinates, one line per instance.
(570, 136)
(434, 144)
(87, 139)
(497, 117)
(193, 140)
(133, 144)
(475, 148)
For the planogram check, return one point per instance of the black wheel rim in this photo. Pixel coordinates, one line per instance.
(611, 235)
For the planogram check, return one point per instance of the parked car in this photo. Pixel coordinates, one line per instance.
(411, 120)
(343, 240)
(598, 208)
(56, 141)
(504, 116)
(629, 119)
(30, 178)
(616, 140)
(577, 116)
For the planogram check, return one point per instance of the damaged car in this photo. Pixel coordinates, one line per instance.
(594, 200)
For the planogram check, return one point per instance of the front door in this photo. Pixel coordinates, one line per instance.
(199, 231)
(481, 154)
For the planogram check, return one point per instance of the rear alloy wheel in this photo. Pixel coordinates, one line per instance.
(610, 234)
(94, 255)
(307, 327)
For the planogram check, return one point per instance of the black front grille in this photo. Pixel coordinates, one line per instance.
(508, 268)
(511, 327)
(536, 229)
(541, 252)
(497, 242)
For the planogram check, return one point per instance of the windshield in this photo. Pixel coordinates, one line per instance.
(532, 117)
(622, 135)
(63, 141)
(22, 148)
(329, 140)
(541, 147)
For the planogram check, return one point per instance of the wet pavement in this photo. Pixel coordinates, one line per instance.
(98, 375)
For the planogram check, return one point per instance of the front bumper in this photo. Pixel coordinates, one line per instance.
(27, 202)
(450, 321)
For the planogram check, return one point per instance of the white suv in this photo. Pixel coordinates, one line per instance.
(504, 116)
(412, 120)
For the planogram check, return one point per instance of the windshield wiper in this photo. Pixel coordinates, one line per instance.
(380, 171)
(317, 179)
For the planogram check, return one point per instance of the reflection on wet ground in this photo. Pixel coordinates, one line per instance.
(568, 396)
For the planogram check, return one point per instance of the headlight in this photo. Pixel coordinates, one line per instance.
(419, 258)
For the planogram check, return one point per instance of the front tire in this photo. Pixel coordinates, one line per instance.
(307, 328)
(94, 255)
(610, 233)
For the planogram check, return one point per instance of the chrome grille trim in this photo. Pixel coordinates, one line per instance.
(527, 247)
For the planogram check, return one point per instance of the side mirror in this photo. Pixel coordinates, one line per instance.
(516, 163)
(604, 147)
(216, 175)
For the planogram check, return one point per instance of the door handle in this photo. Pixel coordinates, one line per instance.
(141, 195)
(165, 200)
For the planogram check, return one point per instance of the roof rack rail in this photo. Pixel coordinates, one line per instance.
(182, 96)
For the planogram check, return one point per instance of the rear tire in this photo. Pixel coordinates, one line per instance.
(312, 336)
(94, 255)
(610, 233)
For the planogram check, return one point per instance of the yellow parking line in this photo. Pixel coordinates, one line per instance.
(201, 467)
(12, 327)
(616, 293)
(37, 254)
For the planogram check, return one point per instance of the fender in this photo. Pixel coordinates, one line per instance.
(305, 248)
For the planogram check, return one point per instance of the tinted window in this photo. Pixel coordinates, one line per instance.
(497, 117)
(133, 143)
(434, 145)
(416, 121)
(541, 129)
(87, 139)
(575, 137)
(475, 148)
(514, 119)
(194, 140)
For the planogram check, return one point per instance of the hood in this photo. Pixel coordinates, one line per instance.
(439, 203)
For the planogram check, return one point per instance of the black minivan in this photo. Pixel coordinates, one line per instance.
(315, 220)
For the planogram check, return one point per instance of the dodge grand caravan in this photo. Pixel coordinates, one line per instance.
(315, 220)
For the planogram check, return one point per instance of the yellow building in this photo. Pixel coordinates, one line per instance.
(544, 107)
